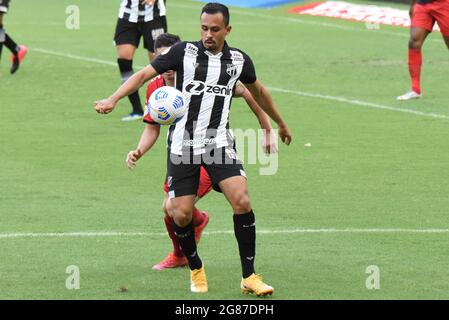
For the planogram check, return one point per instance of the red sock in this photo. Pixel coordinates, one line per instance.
(171, 233)
(197, 217)
(414, 67)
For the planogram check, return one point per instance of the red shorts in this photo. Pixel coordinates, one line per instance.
(204, 186)
(425, 16)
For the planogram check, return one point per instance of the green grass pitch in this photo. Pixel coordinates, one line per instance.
(373, 164)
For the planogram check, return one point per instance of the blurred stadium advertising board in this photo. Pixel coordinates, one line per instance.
(371, 14)
(254, 3)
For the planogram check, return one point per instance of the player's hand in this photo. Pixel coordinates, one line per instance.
(104, 106)
(148, 2)
(285, 135)
(269, 142)
(132, 158)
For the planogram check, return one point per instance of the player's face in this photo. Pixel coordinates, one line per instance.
(213, 31)
(170, 74)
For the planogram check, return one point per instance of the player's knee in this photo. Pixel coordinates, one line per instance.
(242, 203)
(166, 207)
(181, 217)
(415, 43)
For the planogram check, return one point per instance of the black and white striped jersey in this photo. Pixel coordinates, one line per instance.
(208, 81)
(134, 11)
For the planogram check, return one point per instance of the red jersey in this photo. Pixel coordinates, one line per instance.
(154, 84)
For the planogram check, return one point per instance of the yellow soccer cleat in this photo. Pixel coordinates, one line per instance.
(198, 281)
(254, 284)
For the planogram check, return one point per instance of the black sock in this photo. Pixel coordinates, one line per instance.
(11, 45)
(126, 71)
(186, 238)
(245, 232)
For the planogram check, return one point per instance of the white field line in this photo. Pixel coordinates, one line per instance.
(218, 232)
(281, 90)
(360, 103)
(75, 57)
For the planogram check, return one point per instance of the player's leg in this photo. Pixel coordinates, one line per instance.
(18, 52)
(201, 218)
(181, 210)
(422, 25)
(150, 31)
(2, 34)
(183, 181)
(236, 191)
(175, 258)
(126, 40)
(441, 14)
(231, 178)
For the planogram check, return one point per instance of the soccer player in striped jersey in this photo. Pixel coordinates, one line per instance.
(200, 219)
(17, 52)
(137, 19)
(424, 14)
(208, 71)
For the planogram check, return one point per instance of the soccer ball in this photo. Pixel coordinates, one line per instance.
(167, 105)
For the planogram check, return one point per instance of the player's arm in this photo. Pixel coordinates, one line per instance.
(412, 8)
(269, 143)
(131, 85)
(263, 97)
(147, 140)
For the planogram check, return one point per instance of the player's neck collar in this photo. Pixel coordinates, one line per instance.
(224, 51)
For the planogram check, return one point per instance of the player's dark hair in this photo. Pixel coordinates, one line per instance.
(166, 40)
(215, 7)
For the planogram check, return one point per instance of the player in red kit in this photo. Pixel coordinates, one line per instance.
(151, 132)
(424, 14)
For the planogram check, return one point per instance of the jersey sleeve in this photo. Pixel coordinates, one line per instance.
(248, 74)
(150, 89)
(171, 59)
(153, 85)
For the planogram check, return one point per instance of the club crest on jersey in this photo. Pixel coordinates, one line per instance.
(231, 70)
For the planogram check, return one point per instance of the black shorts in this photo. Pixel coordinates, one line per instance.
(130, 32)
(184, 174)
(4, 6)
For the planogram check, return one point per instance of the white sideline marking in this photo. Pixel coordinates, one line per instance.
(359, 103)
(160, 234)
(299, 93)
(71, 56)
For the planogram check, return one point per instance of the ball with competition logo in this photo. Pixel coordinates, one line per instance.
(167, 105)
